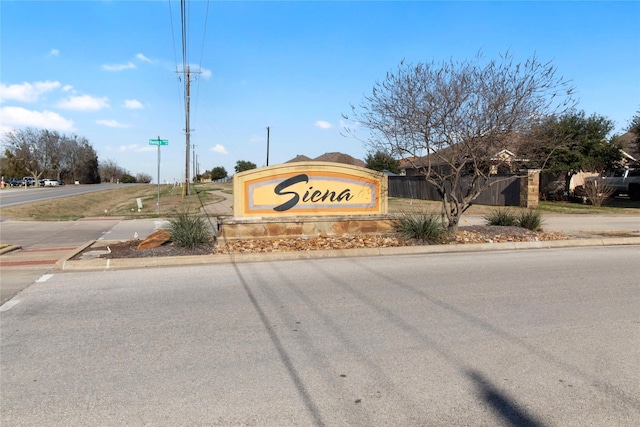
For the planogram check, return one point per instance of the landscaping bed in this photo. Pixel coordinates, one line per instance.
(466, 235)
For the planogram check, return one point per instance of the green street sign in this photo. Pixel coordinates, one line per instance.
(158, 142)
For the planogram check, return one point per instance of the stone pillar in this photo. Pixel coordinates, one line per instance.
(529, 188)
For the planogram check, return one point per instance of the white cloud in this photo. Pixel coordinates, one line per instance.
(26, 92)
(143, 58)
(323, 125)
(54, 52)
(219, 149)
(136, 148)
(112, 124)
(132, 104)
(21, 117)
(197, 70)
(84, 103)
(205, 73)
(118, 67)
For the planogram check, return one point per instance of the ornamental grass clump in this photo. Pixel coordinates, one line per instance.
(502, 217)
(530, 219)
(424, 227)
(189, 230)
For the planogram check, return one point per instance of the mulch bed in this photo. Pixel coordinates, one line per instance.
(466, 235)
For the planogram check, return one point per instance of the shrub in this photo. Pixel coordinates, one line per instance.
(421, 226)
(598, 192)
(502, 217)
(189, 230)
(530, 219)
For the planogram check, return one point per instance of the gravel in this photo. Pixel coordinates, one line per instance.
(466, 235)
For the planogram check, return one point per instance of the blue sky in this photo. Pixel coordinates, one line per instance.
(106, 70)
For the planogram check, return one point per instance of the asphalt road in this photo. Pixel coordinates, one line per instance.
(537, 337)
(20, 196)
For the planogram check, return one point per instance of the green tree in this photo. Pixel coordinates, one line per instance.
(219, 172)
(12, 166)
(571, 143)
(454, 116)
(242, 165)
(128, 179)
(380, 161)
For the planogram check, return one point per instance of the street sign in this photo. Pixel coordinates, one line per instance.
(158, 142)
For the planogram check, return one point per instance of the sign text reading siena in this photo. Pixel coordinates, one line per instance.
(310, 195)
(309, 188)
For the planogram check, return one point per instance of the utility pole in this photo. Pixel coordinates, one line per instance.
(267, 145)
(187, 83)
(187, 101)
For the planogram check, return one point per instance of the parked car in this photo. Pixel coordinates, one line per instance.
(14, 182)
(622, 181)
(50, 182)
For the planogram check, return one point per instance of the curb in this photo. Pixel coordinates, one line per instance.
(214, 259)
(10, 248)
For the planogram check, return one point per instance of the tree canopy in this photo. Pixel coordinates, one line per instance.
(217, 173)
(42, 153)
(571, 143)
(243, 165)
(380, 161)
(450, 118)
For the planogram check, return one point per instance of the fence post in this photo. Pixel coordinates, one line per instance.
(530, 188)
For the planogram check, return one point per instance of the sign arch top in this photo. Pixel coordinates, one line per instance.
(309, 189)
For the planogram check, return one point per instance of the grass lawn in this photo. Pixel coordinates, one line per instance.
(122, 202)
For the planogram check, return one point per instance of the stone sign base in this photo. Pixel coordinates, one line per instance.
(279, 227)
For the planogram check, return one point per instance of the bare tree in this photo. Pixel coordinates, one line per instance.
(449, 119)
(37, 149)
(143, 178)
(78, 160)
(598, 191)
(110, 171)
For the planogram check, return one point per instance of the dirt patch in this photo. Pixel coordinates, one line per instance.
(466, 235)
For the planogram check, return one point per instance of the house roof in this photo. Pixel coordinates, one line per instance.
(505, 148)
(299, 158)
(629, 148)
(330, 157)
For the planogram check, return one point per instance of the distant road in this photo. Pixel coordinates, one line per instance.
(21, 196)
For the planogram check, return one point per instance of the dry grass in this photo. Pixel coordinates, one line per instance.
(116, 202)
(122, 202)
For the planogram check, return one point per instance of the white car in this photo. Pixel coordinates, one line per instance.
(50, 182)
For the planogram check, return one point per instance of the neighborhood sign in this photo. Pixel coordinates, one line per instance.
(309, 189)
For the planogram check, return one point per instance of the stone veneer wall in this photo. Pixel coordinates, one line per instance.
(530, 188)
(240, 228)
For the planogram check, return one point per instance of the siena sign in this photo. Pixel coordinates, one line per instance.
(309, 189)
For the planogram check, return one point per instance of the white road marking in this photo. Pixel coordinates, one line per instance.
(9, 304)
(44, 278)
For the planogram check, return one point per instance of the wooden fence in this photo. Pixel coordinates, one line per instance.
(503, 191)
